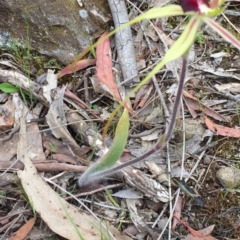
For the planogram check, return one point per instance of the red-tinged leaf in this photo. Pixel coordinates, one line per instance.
(104, 68)
(222, 32)
(191, 230)
(74, 67)
(191, 237)
(203, 234)
(143, 95)
(72, 96)
(207, 231)
(177, 211)
(195, 104)
(22, 233)
(221, 130)
(189, 107)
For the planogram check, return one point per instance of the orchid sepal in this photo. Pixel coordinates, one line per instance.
(167, 11)
(222, 32)
(214, 12)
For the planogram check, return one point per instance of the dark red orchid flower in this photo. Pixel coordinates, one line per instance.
(194, 5)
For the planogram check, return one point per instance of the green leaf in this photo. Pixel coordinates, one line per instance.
(223, 32)
(8, 88)
(114, 152)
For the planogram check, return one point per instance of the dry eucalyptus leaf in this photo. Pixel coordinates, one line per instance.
(231, 87)
(128, 193)
(206, 67)
(53, 209)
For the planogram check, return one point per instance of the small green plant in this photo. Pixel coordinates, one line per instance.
(169, 25)
(93, 50)
(24, 57)
(2, 193)
(200, 38)
(8, 88)
(25, 198)
(111, 198)
(53, 148)
(50, 63)
(93, 106)
(52, 237)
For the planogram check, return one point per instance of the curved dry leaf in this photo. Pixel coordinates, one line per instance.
(177, 211)
(194, 104)
(222, 130)
(74, 67)
(61, 217)
(104, 68)
(203, 234)
(21, 233)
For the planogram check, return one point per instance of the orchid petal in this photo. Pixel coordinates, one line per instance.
(178, 49)
(184, 42)
(168, 11)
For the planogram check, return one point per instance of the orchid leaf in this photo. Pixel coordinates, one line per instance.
(8, 88)
(222, 32)
(114, 152)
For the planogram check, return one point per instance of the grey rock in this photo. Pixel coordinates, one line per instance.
(229, 177)
(60, 28)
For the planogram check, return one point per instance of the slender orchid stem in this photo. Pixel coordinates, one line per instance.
(177, 100)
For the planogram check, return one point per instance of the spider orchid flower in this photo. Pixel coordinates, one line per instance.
(199, 6)
(201, 11)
